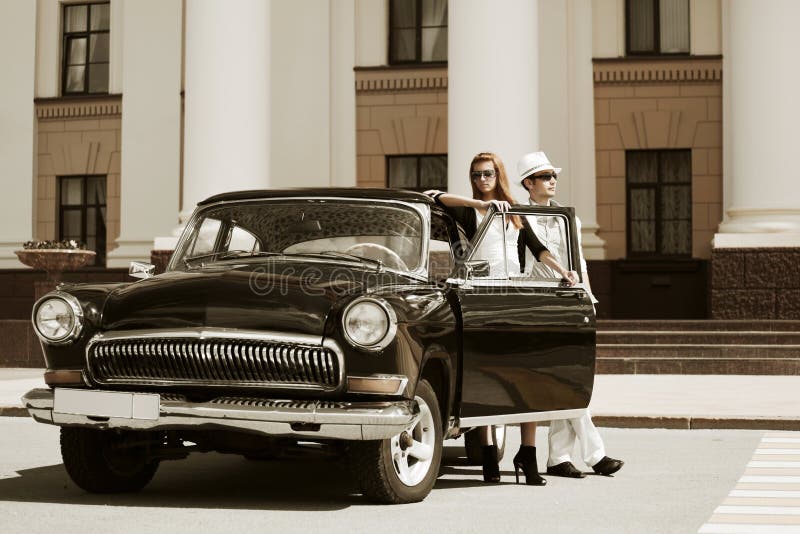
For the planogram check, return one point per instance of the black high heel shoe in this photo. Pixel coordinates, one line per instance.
(525, 459)
(491, 467)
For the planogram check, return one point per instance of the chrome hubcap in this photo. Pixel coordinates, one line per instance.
(412, 449)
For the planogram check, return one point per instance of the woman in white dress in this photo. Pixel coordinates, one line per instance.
(490, 187)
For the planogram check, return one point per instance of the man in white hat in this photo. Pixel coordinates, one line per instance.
(539, 177)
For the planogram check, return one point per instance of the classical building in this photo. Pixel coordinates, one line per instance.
(673, 120)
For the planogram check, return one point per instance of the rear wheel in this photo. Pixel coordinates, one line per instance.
(403, 468)
(472, 444)
(104, 461)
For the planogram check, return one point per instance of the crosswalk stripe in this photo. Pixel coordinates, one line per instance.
(766, 471)
(762, 501)
(778, 479)
(764, 493)
(767, 496)
(761, 510)
(776, 486)
(743, 528)
(758, 519)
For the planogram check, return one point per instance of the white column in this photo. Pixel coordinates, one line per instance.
(302, 93)
(227, 141)
(577, 98)
(48, 47)
(18, 58)
(150, 126)
(705, 36)
(116, 26)
(372, 32)
(609, 17)
(566, 104)
(343, 94)
(760, 125)
(492, 84)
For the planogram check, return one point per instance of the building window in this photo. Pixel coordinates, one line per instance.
(659, 186)
(657, 26)
(85, 48)
(417, 31)
(417, 173)
(82, 212)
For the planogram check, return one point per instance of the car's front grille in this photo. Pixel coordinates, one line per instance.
(213, 362)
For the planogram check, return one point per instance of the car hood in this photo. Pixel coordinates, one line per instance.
(278, 296)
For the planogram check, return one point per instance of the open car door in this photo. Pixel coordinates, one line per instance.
(528, 340)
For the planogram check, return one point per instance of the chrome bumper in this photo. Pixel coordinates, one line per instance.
(285, 418)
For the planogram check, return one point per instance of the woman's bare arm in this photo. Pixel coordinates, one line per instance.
(452, 200)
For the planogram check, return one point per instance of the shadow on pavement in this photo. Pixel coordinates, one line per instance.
(204, 481)
(221, 481)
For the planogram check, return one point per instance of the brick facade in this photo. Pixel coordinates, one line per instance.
(658, 105)
(398, 111)
(77, 137)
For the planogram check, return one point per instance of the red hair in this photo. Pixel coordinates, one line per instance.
(502, 190)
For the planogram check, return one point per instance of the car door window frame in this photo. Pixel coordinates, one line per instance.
(436, 218)
(566, 213)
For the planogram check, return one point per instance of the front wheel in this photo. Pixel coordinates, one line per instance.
(403, 468)
(104, 461)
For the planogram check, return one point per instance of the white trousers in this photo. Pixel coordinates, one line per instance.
(564, 432)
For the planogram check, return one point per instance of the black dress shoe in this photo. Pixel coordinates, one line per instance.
(565, 469)
(607, 466)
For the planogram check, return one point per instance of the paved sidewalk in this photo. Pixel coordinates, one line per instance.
(13, 384)
(755, 402)
(628, 401)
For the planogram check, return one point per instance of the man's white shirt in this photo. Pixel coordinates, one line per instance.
(552, 233)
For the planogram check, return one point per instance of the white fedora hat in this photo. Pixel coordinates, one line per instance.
(534, 162)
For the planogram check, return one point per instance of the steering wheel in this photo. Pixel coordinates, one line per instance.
(375, 251)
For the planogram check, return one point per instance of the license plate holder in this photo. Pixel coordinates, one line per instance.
(107, 404)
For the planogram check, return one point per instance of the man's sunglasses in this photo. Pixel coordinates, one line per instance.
(546, 177)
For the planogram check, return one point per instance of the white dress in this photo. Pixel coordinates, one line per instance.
(491, 247)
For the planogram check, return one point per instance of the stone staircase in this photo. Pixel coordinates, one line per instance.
(729, 347)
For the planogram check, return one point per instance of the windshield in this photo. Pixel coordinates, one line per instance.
(378, 233)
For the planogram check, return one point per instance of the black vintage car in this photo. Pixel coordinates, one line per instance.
(358, 319)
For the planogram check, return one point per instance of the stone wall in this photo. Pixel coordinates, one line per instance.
(755, 283)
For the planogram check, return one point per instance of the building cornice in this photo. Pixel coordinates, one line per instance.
(78, 107)
(703, 69)
(400, 79)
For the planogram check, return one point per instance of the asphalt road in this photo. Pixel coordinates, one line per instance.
(671, 482)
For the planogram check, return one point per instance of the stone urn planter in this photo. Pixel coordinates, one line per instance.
(54, 262)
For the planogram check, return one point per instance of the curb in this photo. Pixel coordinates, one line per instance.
(13, 411)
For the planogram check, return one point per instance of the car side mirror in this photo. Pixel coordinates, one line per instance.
(477, 269)
(140, 269)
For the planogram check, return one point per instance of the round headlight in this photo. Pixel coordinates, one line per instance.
(58, 319)
(370, 323)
